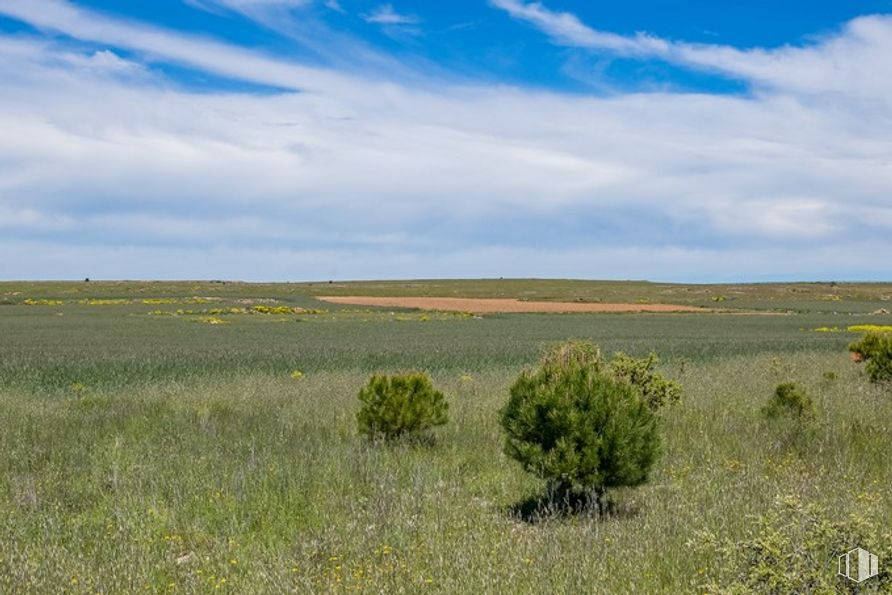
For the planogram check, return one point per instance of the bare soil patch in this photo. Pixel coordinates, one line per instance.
(494, 305)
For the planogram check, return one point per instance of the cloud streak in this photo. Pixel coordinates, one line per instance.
(840, 63)
(298, 21)
(386, 15)
(566, 29)
(208, 55)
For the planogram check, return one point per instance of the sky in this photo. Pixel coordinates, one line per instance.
(288, 140)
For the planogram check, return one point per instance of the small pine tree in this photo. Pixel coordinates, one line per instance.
(400, 405)
(582, 430)
(789, 400)
(875, 349)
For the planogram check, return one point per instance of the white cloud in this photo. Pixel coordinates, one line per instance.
(295, 20)
(386, 15)
(245, 4)
(251, 8)
(212, 56)
(24, 218)
(566, 29)
(353, 178)
(248, 5)
(848, 63)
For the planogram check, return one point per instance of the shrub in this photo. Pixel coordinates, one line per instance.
(578, 427)
(875, 349)
(573, 353)
(656, 390)
(400, 405)
(792, 547)
(789, 400)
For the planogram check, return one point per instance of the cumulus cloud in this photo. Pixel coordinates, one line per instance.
(341, 176)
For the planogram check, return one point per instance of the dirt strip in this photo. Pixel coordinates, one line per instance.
(493, 305)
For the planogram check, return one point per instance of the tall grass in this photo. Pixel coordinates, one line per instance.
(256, 482)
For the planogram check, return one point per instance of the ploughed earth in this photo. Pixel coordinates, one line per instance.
(491, 305)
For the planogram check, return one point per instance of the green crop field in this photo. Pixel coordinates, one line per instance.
(201, 437)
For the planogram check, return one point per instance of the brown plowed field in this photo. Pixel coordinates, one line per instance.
(492, 305)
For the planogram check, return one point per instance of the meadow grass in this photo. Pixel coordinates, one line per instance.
(261, 483)
(158, 454)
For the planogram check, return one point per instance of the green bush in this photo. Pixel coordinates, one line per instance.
(573, 353)
(875, 349)
(789, 400)
(656, 390)
(400, 405)
(578, 427)
(793, 547)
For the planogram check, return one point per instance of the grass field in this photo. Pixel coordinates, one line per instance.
(153, 437)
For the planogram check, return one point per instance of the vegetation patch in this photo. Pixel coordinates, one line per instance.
(42, 302)
(403, 405)
(584, 425)
(870, 328)
(656, 390)
(498, 305)
(238, 311)
(789, 400)
(793, 547)
(146, 455)
(875, 350)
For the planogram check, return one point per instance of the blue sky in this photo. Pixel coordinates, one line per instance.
(314, 139)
